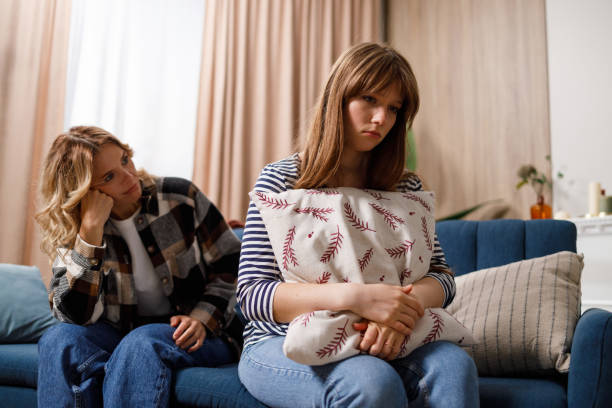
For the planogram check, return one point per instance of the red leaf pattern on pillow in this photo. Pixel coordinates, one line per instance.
(273, 203)
(317, 212)
(390, 218)
(288, 252)
(401, 250)
(335, 344)
(428, 242)
(436, 330)
(324, 278)
(365, 260)
(378, 196)
(334, 246)
(418, 199)
(355, 221)
(405, 275)
(306, 318)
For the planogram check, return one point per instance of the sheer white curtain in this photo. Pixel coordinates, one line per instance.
(134, 69)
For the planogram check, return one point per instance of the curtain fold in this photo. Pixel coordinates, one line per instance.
(34, 42)
(263, 66)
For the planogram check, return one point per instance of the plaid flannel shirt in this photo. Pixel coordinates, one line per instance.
(194, 252)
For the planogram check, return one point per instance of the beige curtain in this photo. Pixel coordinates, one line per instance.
(263, 66)
(34, 43)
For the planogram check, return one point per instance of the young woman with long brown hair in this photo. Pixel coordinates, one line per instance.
(357, 139)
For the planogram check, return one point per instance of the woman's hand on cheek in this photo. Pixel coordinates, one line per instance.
(379, 340)
(189, 332)
(95, 210)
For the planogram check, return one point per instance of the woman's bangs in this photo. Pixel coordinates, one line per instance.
(379, 76)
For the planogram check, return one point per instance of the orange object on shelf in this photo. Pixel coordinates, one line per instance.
(541, 210)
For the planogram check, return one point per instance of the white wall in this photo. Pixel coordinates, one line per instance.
(580, 80)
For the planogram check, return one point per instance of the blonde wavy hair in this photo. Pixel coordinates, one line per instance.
(367, 67)
(65, 179)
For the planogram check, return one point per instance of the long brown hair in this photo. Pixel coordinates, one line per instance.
(367, 67)
(66, 178)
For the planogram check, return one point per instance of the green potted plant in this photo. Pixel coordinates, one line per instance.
(528, 174)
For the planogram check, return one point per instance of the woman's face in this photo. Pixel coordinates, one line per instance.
(369, 117)
(114, 174)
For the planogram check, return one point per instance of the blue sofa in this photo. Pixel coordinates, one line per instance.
(469, 246)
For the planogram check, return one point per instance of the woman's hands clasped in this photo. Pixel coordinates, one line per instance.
(393, 306)
(379, 340)
(189, 332)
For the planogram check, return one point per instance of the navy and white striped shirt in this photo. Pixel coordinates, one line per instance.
(259, 275)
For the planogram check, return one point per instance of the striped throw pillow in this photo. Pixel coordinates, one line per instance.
(522, 315)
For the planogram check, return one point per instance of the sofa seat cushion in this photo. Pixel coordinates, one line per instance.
(196, 386)
(212, 387)
(19, 364)
(17, 397)
(501, 392)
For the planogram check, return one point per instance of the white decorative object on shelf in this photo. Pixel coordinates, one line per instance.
(594, 193)
(595, 241)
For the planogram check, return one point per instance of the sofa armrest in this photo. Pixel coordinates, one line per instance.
(590, 373)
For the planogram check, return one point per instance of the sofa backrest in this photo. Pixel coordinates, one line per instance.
(473, 245)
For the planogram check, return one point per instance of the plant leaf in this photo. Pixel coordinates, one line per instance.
(521, 184)
(411, 155)
(460, 214)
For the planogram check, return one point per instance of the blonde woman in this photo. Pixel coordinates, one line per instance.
(143, 277)
(356, 140)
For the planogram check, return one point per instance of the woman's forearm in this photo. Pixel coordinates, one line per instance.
(429, 292)
(391, 305)
(92, 233)
(294, 299)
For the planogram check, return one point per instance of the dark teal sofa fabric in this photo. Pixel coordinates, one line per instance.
(469, 246)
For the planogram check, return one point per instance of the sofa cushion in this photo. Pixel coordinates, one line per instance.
(458, 240)
(474, 245)
(195, 386)
(17, 397)
(19, 364)
(25, 312)
(522, 314)
(521, 392)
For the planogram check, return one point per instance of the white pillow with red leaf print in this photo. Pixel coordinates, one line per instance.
(352, 235)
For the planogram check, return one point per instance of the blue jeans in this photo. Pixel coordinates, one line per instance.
(81, 366)
(438, 374)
